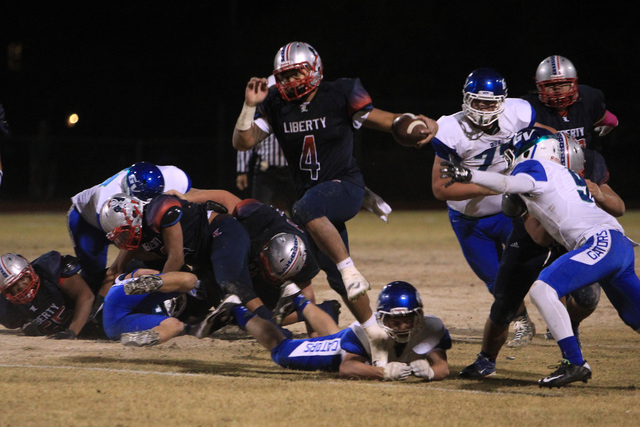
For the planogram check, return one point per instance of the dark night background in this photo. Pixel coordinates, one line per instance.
(163, 81)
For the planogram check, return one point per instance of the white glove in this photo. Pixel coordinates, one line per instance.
(422, 369)
(603, 130)
(376, 205)
(396, 371)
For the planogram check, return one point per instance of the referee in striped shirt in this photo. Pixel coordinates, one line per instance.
(264, 169)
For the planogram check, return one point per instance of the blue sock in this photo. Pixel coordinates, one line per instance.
(242, 316)
(571, 351)
(300, 303)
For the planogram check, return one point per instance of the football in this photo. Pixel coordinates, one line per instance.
(406, 129)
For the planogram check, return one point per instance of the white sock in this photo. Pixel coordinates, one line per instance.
(554, 313)
(370, 322)
(345, 263)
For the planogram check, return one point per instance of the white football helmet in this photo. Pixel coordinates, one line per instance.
(301, 57)
(553, 70)
(14, 267)
(483, 84)
(283, 256)
(121, 219)
(538, 143)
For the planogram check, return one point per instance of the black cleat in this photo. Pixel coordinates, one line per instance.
(565, 374)
(481, 368)
(218, 318)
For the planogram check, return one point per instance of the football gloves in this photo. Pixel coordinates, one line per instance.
(422, 369)
(455, 171)
(396, 371)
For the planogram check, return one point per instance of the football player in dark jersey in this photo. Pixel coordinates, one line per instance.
(561, 103)
(314, 121)
(45, 297)
(232, 252)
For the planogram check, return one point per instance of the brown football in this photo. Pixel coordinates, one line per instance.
(406, 129)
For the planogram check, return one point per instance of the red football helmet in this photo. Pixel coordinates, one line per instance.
(14, 271)
(557, 81)
(121, 219)
(293, 59)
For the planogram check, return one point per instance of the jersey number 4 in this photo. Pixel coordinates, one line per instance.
(309, 157)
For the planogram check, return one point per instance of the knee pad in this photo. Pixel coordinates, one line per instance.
(587, 297)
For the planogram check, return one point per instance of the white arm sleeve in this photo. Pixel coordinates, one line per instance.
(521, 183)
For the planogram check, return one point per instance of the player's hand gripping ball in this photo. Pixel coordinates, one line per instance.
(407, 130)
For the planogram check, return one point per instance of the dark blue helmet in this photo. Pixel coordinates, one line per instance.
(484, 84)
(143, 181)
(399, 300)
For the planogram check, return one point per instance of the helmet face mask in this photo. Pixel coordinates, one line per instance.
(539, 143)
(399, 311)
(18, 281)
(483, 96)
(121, 219)
(557, 82)
(297, 68)
(143, 180)
(282, 257)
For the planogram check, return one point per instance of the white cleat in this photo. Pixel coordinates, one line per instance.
(355, 283)
(143, 284)
(380, 344)
(140, 338)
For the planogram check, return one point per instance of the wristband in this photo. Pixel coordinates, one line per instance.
(245, 120)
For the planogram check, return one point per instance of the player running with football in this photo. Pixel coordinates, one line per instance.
(314, 121)
(565, 211)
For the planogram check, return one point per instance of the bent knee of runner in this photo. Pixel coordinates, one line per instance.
(587, 297)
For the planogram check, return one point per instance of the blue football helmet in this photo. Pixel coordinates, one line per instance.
(539, 143)
(483, 84)
(143, 181)
(399, 300)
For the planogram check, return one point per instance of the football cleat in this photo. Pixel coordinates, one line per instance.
(481, 368)
(525, 330)
(380, 343)
(285, 306)
(218, 318)
(143, 285)
(140, 338)
(566, 373)
(355, 283)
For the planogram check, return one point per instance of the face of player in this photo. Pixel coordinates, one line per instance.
(293, 80)
(19, 286)
(400, 323)
(558, 88)
(484, 105)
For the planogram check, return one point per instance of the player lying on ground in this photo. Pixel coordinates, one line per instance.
(419, 341)
(45, 297)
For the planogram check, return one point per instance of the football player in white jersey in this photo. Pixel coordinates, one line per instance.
(419, 341)
(562, 208)
(477, 137)
(143, 180)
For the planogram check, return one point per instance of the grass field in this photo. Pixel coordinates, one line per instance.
(230, 380)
